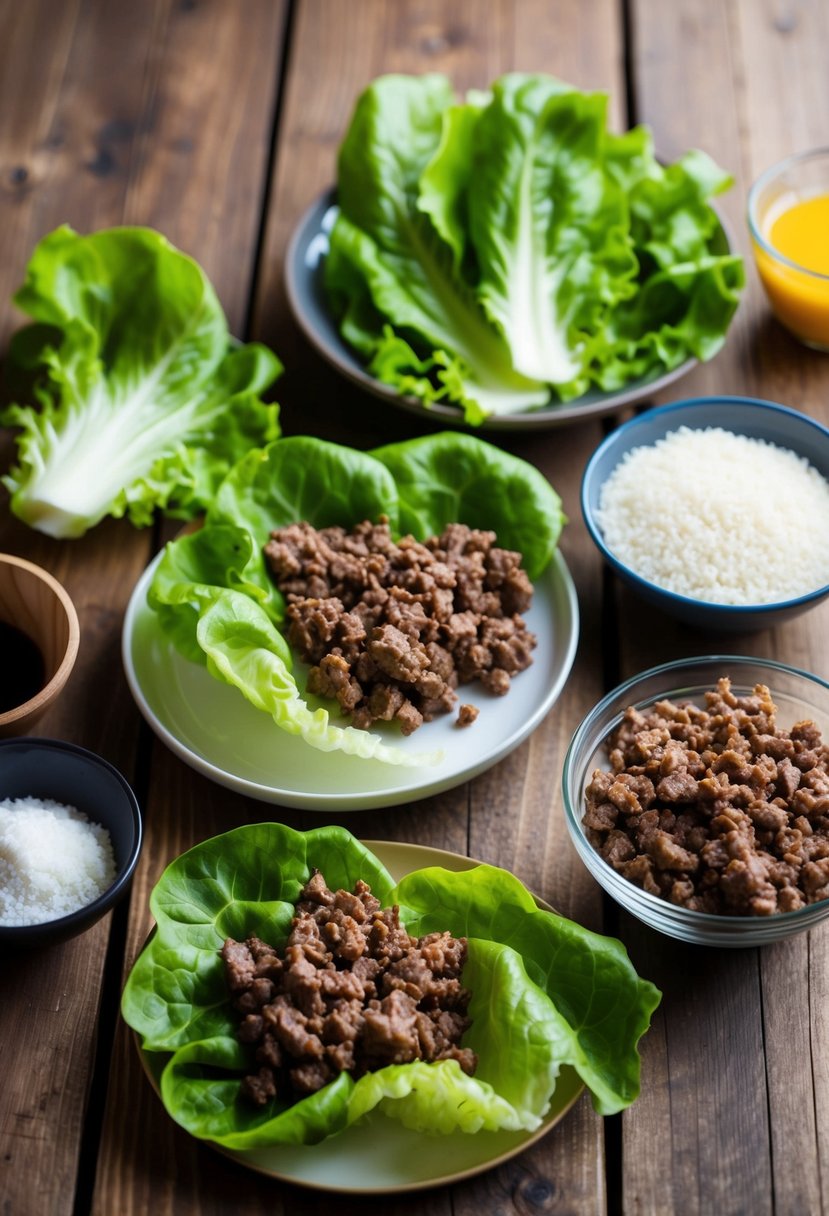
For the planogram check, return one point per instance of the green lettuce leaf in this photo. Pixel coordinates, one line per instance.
(510, 251)
(245, 650)
(548, 224)
(383, 234)
(578, 970)
(143, 401)
(578, 1005)
(217, 603)
(244, 882)
(455, 477)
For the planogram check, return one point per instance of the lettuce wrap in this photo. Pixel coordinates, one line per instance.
(218, 604)
(546, 994)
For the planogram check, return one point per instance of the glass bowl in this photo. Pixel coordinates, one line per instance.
(797, 695)
(798, 294)
(758, 419)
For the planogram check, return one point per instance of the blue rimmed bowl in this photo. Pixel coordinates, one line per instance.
(786, 428)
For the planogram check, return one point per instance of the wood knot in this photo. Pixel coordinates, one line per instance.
(103, 165)
(16, 181)
(534, 1194)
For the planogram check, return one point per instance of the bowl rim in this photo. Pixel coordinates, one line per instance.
(776, 170)
(678, 912)
(45, 694)
(637, 580)
(101, 904)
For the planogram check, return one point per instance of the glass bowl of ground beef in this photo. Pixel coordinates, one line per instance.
(697, 794)
(714, 510)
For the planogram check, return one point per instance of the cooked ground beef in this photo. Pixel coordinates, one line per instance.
(351, 991)
(391, 628)
(716, 809)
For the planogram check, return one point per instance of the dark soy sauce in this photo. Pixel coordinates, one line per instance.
(22, 671)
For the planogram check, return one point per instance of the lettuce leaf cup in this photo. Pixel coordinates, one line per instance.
(547, 995)
(217, 603)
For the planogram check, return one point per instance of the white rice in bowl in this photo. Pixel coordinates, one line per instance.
(53, 861)
(719, 517)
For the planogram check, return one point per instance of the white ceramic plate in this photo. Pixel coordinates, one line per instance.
(306, 296)
(215, 730)
(379, 1155)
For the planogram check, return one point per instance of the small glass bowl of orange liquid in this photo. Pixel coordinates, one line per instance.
(788, 216)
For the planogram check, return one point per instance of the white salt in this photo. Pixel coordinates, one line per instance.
(53, 861)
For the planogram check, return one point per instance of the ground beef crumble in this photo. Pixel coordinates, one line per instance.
(392, 628)
(716, 809)
(351, 991)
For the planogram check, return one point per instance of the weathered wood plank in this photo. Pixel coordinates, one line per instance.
(93, 138)
(515, 815)
(745, 81)
(197, 170)
(47, 1047)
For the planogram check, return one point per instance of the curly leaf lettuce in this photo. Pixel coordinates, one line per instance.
(217, 603)
(509, 250)
(581, 1005)
(143, 402)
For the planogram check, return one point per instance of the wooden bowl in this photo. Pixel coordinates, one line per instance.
(35, 603)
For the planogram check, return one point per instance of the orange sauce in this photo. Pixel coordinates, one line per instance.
(799, 298)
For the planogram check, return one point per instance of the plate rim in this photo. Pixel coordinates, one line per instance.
(459, 863)
(388, 796)
(308, 227)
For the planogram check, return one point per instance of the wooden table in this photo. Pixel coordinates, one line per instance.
(218, 123)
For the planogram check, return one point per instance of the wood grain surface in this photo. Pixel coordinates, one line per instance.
(743, 81)
(219, 123)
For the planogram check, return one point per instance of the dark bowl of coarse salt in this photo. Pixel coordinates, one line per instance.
(70, 837)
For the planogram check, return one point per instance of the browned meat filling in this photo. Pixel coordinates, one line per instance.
(392, 628)
(716, 809)
(351, 991)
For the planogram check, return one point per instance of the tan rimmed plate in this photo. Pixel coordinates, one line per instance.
(378, 1155)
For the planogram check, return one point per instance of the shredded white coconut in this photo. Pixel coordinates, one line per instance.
(719, 517)
(53, 860)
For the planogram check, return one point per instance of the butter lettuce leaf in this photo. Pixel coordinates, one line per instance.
(588, 977)
(452, 477)
(532, 1014)
(143, 401)
(217, 603)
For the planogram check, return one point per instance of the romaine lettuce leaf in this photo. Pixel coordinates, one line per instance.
(509, 250)
(578, 1005)
(383, 235)
(143, 401)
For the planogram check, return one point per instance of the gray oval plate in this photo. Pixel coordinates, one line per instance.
(306, 296)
